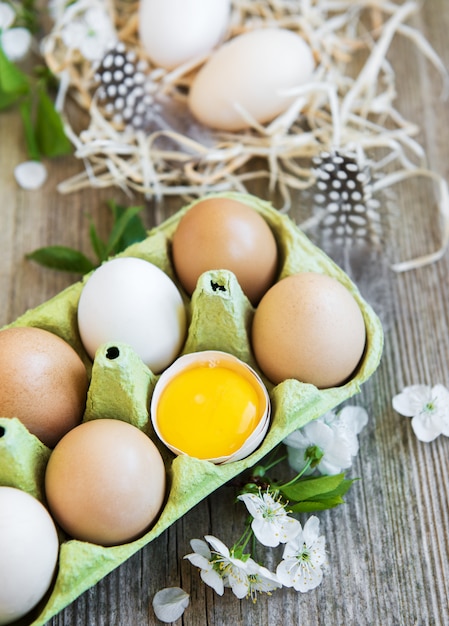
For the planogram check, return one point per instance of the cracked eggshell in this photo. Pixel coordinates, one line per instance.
(210, 359)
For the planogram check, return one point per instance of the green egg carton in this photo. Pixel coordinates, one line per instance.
(219, 318)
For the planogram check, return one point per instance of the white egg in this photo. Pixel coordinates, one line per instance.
(132, 301)
(250, 72)
(29, 552)
(175, 31)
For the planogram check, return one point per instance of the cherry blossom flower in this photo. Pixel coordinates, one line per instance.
(202, 558)
(259, 579)
(170, 603)
(15, 41)
(271, 524)
(303, 558)
(335, 434)
(89, 31)
(219, 568)
(428, 407)
(232, 570)
(56, 8)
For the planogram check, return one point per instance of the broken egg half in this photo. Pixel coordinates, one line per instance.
(212, 406)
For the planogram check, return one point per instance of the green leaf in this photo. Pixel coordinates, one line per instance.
(27, 15)
(317, 494)
(62, 258)
(308, 506)
(13, 82)
(342, 488)
(98, 244)
(50, 135)
(127, 228)
(30, 136)
(309, 488)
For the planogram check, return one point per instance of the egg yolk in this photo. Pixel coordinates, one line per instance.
(208, 411)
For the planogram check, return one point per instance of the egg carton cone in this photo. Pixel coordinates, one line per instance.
(121, 386)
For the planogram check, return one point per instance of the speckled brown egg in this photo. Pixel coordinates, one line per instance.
(309, 327)
(43, 382)
(105, 482)
(223, 233)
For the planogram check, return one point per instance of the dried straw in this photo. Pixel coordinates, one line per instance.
(349, 106)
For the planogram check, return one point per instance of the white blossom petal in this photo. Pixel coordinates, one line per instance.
(198, 560)
(7, 16)
(201, 547)
(16, 43)
(30, 174)
(206, 562)
(91, 49)
(320, 434)
(170, 603)
(218, 545)
(311, 530)
(213, 579)
(428, 407)
(56, 8)
(354, 418)
(297, 460)
(271, 524)
(303, 559)
(207, 573)
(440, 394)
(260, 578)
(335, 434)
(411, 400)
(90, 32)
(302, 577)
(297, 439)
(238, 581)
(426, 427)
(73, 34)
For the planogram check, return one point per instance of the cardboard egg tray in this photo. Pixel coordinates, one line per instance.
(219, 318)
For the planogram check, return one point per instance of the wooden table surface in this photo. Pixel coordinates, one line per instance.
(388, 546)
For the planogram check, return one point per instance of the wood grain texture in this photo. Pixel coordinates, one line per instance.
(388, 547)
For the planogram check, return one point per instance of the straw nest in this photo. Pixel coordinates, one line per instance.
(349, 106)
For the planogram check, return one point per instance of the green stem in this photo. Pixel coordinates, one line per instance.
(275, 462)
(241, 544)
(298, 476)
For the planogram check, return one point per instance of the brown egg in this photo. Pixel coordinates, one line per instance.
(43, 382)
(221, 233)
(309, 327)
(105, 482)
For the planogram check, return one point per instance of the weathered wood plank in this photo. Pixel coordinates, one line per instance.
(388, 547)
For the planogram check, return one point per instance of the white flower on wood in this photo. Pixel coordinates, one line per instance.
(201, 557)
(304, 558)
(428, 407)
(14, 41)
(335, 434)
(271, 523)
(91, 31)
(30, 175)
(170, 603)
(219, 568)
